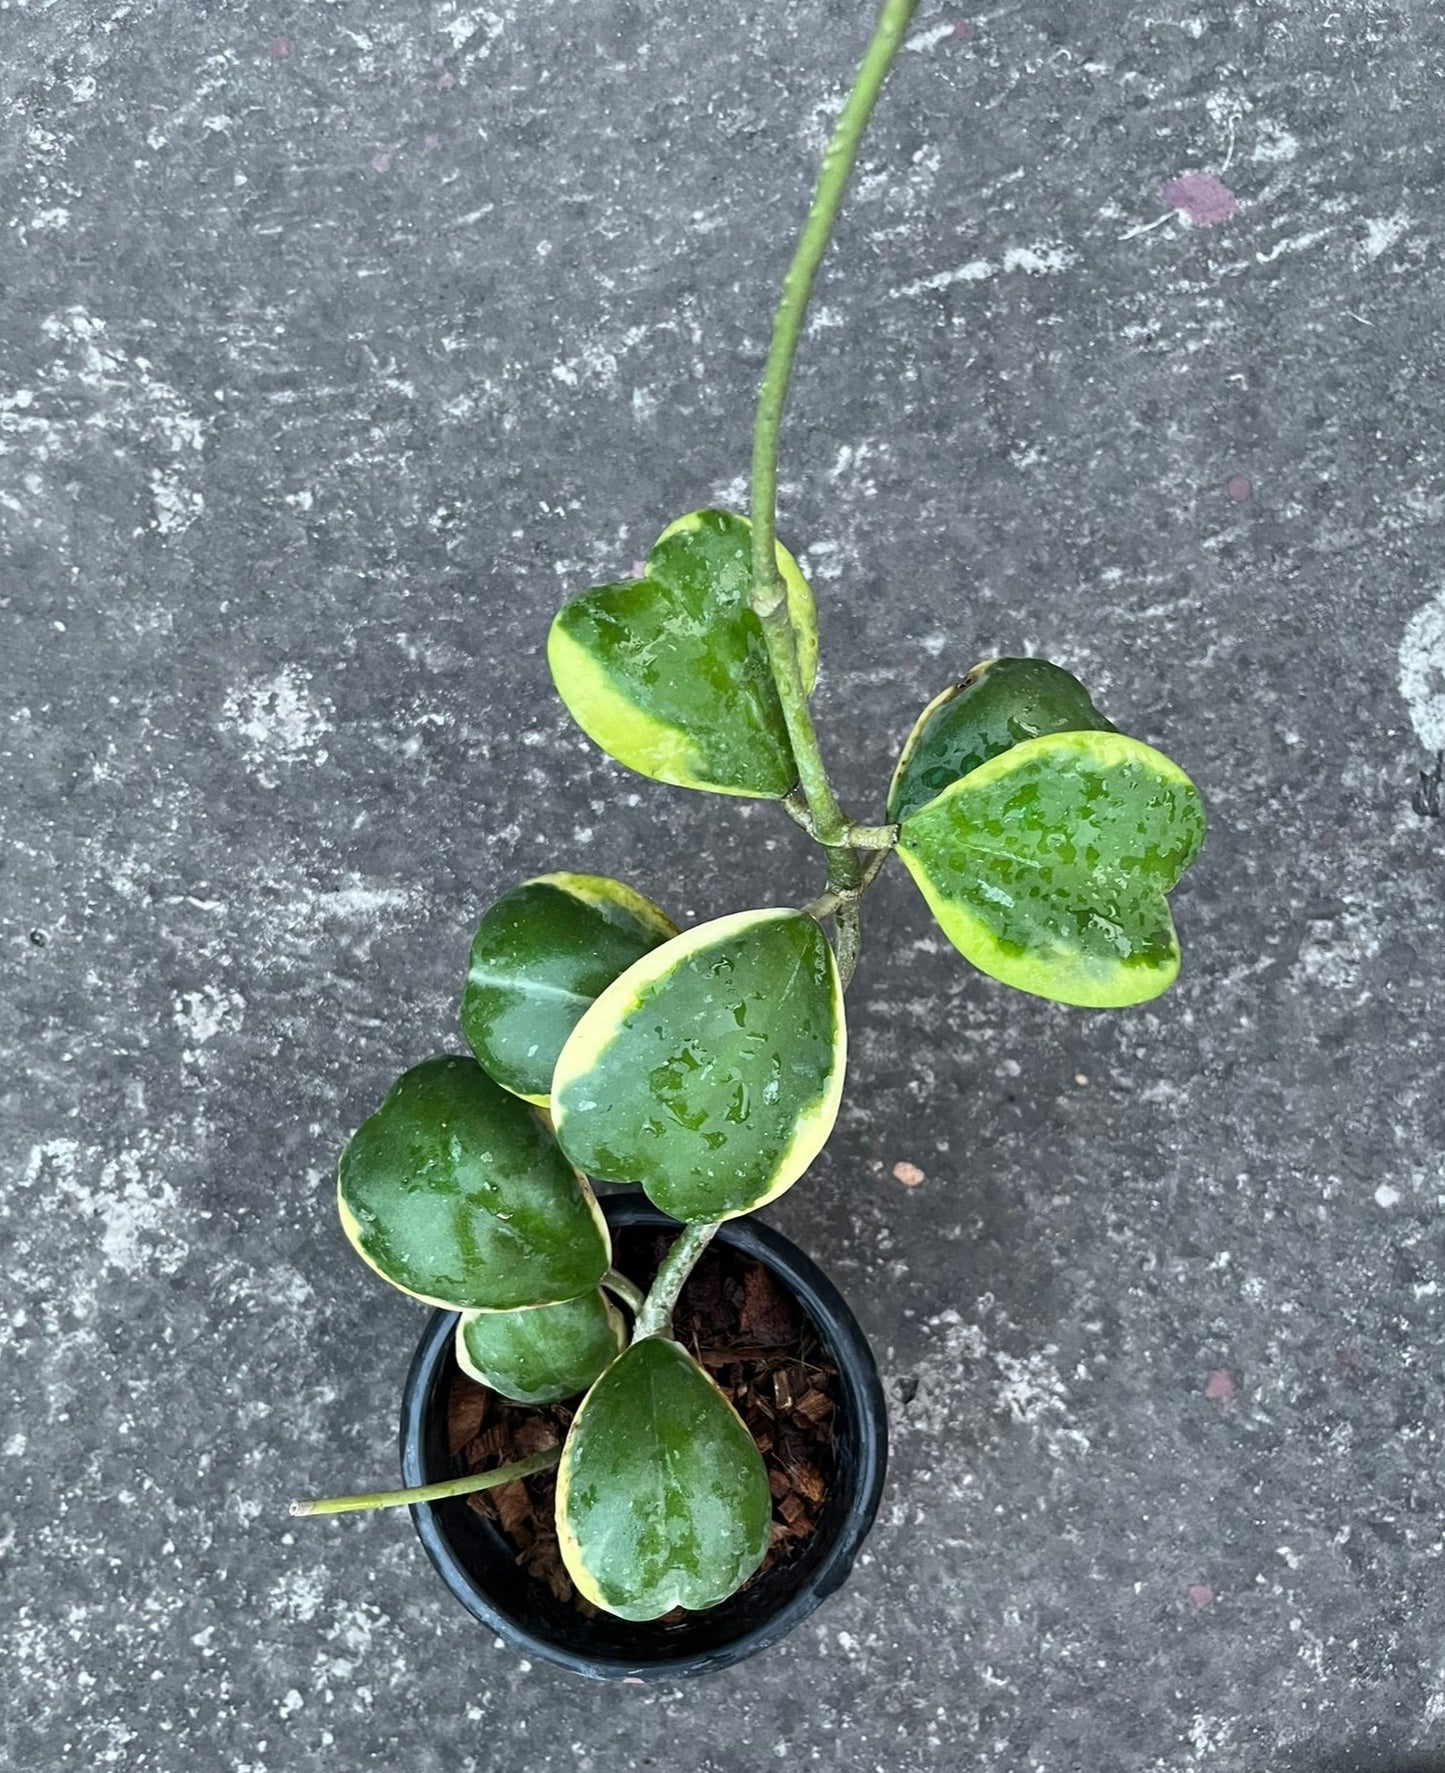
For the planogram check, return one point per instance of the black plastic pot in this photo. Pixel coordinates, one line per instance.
(479, 1566)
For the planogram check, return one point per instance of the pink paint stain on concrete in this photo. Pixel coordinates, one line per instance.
(962, 28)
(447, 82)
(432, 141)
(1220, 1387)
(1239, 487)
(281, 48)
(381, 162)
(1200, 197)
(1199, 1595)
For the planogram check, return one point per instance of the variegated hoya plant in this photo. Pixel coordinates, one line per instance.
(706, 1065)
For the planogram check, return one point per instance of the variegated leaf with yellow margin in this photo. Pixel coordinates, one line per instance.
(540, 956)
(455, 1192)
(662, 1495)
(711, 1070)
(1047, 866)
(998, 705)
(669, 673)
(545, 1354)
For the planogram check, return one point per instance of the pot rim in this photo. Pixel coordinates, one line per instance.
(857, 1376)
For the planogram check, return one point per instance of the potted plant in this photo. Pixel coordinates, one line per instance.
(678, 1516)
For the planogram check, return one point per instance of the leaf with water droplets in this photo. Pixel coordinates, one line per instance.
(1047, 866)
(455, 1192)
(998, 705)
(545, 1354)
(662, 1495)
(541, 955)
(711, 1070)
(669, 673)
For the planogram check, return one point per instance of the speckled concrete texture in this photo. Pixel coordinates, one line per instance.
(338, 343)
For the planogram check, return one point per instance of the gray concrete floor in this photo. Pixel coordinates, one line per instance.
(337, 344)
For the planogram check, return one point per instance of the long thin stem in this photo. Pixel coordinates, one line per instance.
(769, 599)
(462, 1486)
(655, 1318)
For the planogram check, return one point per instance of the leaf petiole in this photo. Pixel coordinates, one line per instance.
(462, 1486)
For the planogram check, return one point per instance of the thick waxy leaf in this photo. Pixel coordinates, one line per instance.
(669, 673)
(662, 1497)
(543, 1355)
(998, 705)
(540, 956)
(1047, 866)
(455, 1192)
(711, 1071)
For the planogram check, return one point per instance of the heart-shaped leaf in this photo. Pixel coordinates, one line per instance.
(455, 1192)
(998, 705)
(541, 955)
(662, 1496)
(711, 1071)
(1047, 866)
(669, 673)
(543, 1355)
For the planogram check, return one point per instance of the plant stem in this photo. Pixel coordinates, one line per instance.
(848, 926)
(655, 1318)
(630, 1295)
(462, 1486)
(847, 885)
(845, 881)
(872, 837)
(796, 807)
(769, 599)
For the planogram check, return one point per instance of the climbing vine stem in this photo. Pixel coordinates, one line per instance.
(814, 805)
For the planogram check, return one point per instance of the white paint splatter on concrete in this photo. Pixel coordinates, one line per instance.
(1336, 951)
(1422, 672)
(1043, 259)
(279, 720)
(1026, 1389)
(121, 394)
(922, 41)
(1295, 243)
(474, 32)
(1383, 232)
(362, 902)
(202, 1015)
(176, 506)
(136, 1211)
(1275, 144)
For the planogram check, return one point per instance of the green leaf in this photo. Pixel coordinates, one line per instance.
(455, 1192)
(1047, 866)
(662, 1496)
(998, 705)
(540, 956)
(669, 673)
(711, 1071)
(543, 1355)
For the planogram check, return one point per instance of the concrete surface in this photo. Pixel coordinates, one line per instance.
(339, 342)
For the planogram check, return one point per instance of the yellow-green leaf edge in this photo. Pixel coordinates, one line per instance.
(567, 1540)
(1082, 988)
(615, 1322)
(598, 1026)
(352, 1229)
(640, 741)
(597, 890)
(910, 744)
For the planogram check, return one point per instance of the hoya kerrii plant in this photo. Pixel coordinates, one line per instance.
(706, 1065)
